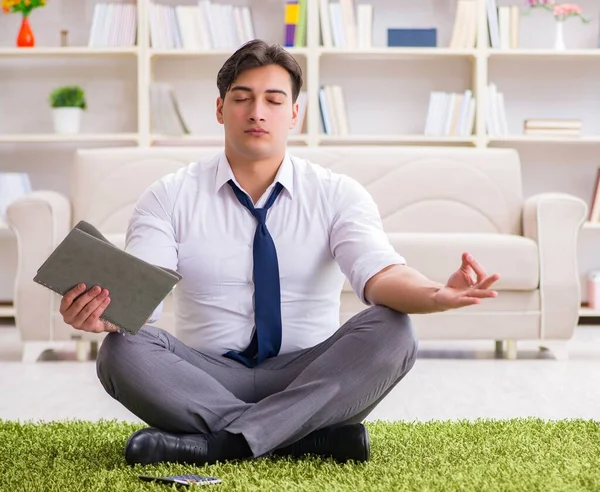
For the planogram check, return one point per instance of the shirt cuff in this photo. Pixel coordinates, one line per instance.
(367, 268)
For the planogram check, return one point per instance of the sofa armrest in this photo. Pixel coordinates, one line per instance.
(40, 220)
(553, 220)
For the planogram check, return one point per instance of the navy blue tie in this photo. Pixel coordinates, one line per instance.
(266, 340)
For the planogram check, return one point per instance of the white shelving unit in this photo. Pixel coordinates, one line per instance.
(320, 66)
(386, 89)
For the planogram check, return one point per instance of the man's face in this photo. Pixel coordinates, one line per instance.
(257, 112)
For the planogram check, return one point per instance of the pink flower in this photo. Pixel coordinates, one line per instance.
(567, 9)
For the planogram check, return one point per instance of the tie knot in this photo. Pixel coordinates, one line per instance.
(260, 214)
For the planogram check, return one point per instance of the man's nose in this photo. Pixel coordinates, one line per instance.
(257, 112)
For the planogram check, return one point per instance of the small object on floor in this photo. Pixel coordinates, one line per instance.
(186, 480)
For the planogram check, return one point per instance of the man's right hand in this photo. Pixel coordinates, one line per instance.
(84, 312)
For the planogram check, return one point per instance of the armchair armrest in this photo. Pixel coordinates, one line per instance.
(553, 220)
(40, 220)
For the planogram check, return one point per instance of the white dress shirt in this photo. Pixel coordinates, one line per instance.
(325, 227)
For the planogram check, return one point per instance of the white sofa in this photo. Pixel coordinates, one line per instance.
(436, 202)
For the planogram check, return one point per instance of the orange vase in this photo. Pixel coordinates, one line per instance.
(25, 39)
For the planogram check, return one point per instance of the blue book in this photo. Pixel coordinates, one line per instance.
(424, 38)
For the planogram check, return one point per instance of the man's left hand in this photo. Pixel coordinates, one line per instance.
(462, 289)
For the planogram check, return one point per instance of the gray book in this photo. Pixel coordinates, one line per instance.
(135, 286)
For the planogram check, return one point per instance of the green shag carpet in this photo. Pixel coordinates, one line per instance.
(521, 455)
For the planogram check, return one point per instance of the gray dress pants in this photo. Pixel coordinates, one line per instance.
(175, 388)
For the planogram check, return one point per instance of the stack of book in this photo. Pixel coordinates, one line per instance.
(333, 110)
(165, 113)
(450, 114)
(344, 25)
(464, 32)
(553, 127)
(206, 26)
(495, 112)
(113, 25)
(503, 25)
(295, 24)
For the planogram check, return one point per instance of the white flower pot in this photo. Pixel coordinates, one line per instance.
(67, 120)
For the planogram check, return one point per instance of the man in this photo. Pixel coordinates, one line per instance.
(264, 241)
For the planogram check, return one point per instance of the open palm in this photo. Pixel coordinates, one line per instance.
(462, 289)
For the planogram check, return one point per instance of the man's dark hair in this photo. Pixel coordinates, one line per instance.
(257, 53)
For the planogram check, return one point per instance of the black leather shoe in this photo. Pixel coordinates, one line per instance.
(349, 442)
(150, 446)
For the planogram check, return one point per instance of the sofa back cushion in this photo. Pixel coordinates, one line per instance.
(417, 189)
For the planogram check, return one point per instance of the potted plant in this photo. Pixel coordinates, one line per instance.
(25, 38)
(68, 104)
(561, 12)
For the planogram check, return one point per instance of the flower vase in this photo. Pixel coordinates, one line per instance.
(25, 39)
(559, 38)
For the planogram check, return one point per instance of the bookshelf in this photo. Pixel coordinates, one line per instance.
(386, 90)
(463, 68)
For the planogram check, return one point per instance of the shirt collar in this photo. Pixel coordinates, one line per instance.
(285, 173)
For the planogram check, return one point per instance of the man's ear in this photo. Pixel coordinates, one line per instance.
(220, 110)
(295, 108)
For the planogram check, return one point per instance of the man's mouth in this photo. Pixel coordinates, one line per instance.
(256, 131)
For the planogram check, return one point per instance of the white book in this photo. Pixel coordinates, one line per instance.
(502, 114)
(464, 113)
(155, 39)
(133, 22)
(333, 113)
(493, 26)
(114, 25)
(187, 42)
(325, 112)
(470, 128)
(365, 25)
(207, 20)
(349, 23)
(123, 25)
(335, 15)
(430, 117)
(239, 26)
(176, 28)
(163, 26)
(94, 27)
(122, 34)
(187, 36)
(340, 109)
(449, 111)
(202, 29)
(492, 96)
(471, 37)
(104, 26)
(504, 23)
(228, 26)
(458, 30)
(442, 112)
(302, 100)
(248, 23)
(217, 26)
(326, 34)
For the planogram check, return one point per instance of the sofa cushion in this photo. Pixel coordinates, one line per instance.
(514, 258)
